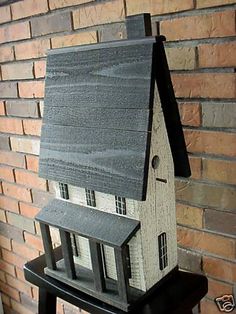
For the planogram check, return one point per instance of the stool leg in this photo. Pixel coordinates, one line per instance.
(47, 302)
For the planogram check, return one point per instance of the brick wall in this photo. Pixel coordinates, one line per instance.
(201, 52)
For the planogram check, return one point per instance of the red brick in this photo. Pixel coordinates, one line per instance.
(5, 243)
(34, 89)
(35, 292)
(2, 216)
(5, 14)
(189, 215)
(196, 167)
(60, 307)
(40, 68)
(99, 13)
(219, 24)
(6, 300)
(19, 285)
(22, 108)
(14, 32)
(217, 143)
(6, 54)
(23, 250)
(25, 145)
(206, 195)
(217, 55)
(28, 8)
(14, 71)
(7, 268)
(216, 288)
(13, 293)
(32, 49)
(51, 23)
(181, 58)
(32, 163)
(34, 241)
(55, 4)
(30, 179)
(11, 125)
(74, 39)
(2, 276)
(20, 222)
(220, 269)
(20, 274)
(32, 127)
(8, 89)
(17, 192)
(12, 159)
(41, 107)
(211, 243)
(213, 3)
(6, 173)
(219, 170)
(208, 307)
(157, 6)
(190, 114)
(4, 142)
(20, 308)
(9, 204)
(205, 85)
(2, 108)
(28, 210)
(13, 258)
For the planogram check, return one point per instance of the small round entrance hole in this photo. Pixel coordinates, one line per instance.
(155, 162)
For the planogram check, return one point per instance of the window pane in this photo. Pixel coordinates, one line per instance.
(162, 244)
(90, 197)
(120, 205)
(64, 190)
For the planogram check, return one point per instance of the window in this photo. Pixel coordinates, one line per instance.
(162, 243)
(90, 197)
(120, 205)
(64, 190)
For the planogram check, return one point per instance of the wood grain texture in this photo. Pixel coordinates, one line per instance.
(97, 264)
(85, 283)
(138, 26)
(90, 223)
(110, 161)
(67, 254)
(97, 117)
(47, 243)
(122, 276)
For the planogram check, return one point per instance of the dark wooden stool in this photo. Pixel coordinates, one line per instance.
(177, 295)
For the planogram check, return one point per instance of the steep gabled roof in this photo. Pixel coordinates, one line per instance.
(96, 126)
(98, 116)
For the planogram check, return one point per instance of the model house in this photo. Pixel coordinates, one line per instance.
(111, 145)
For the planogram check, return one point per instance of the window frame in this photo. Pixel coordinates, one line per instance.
(163, 252)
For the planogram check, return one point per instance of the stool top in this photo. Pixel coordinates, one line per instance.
(178, 294)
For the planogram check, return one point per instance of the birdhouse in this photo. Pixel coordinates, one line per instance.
(111, 145)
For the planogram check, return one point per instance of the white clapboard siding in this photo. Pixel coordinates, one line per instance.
(110, 262)
(104, 202)
(83, 258)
